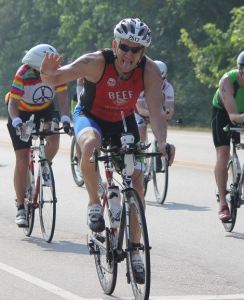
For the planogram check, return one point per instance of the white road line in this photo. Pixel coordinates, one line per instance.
(70, 296)
(41, 283)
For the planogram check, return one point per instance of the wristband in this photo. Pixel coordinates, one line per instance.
(16, 121)
(65, 118)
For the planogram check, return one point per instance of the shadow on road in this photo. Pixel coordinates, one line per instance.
(59, 246)
(179, 206)
(236, 235)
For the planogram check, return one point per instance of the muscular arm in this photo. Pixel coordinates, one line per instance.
(13, 108)
(226, 91)
(87, 66)
(154, 98)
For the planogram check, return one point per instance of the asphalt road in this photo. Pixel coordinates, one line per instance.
(192, 257)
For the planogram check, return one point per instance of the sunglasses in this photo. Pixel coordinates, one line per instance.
(127, 48)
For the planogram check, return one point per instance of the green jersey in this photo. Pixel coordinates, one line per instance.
(238, 93)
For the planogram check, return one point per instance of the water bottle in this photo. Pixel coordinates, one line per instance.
(114, 203)
(27, 129)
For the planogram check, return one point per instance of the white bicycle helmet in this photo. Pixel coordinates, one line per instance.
(35, 55)
(134, 30)
(162, 67)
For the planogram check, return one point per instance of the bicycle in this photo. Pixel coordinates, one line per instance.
(115, 243)
(75, 157)
(235, 184)
(157, 169)
(40, 191)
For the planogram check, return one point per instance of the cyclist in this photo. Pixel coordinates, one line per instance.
(113, 80)
(28, 95)
(142, 112)
(228, 107)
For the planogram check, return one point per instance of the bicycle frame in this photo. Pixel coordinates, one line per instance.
(108, 246)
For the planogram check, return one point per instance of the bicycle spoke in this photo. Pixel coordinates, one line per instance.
(106, 265)
(140, 280)
(160, 178)
(47, 204)
(75, 166)
(30, 211)
(231, 199)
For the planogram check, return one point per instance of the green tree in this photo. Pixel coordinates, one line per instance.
(219, 52)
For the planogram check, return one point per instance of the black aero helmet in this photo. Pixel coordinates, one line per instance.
(240, 60)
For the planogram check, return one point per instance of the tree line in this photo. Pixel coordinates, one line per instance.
(198, 40)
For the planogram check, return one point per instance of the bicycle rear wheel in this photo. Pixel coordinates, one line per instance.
(103, 247)
(47, 201)
(30, 211)
(231, 199)
(141, 288)
(75, 165)
(160, 171)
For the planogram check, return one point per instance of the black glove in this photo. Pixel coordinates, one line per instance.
(67, 127)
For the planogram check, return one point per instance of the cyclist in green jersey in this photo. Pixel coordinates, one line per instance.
(228, 107)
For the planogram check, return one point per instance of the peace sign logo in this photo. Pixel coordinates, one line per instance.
(42, 94)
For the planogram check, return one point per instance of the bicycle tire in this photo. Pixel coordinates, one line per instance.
(74, 162)
(160, 178)
(30, 211)
(106, 265)
(47, 202)
(231, 198)
(147, 174)
(140, 290)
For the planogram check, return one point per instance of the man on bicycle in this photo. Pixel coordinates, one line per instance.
(113, 80)
(142, 112)
(228, 107)
(27, 96)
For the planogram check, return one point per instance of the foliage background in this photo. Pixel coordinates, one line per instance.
(198, 40)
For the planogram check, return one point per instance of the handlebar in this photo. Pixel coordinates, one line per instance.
(236, 127)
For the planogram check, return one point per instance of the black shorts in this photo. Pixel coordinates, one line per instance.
(46, 114)
(220, 119)
(112, 131)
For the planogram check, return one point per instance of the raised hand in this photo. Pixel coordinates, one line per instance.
(51, 62)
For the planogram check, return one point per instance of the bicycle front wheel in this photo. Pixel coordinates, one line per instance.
(231, 198)
(137, 246)
(47, 201)
(75, 164)
(160, 171)
(103, 246)
(29, 196)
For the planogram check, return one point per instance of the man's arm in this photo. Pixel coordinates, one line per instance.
(155, 100)
(87, 66)
(226, 91)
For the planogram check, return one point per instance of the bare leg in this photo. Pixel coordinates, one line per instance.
(52, 146)
(221, 173)
(89, 141)
(20, 174)
(138, 183)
